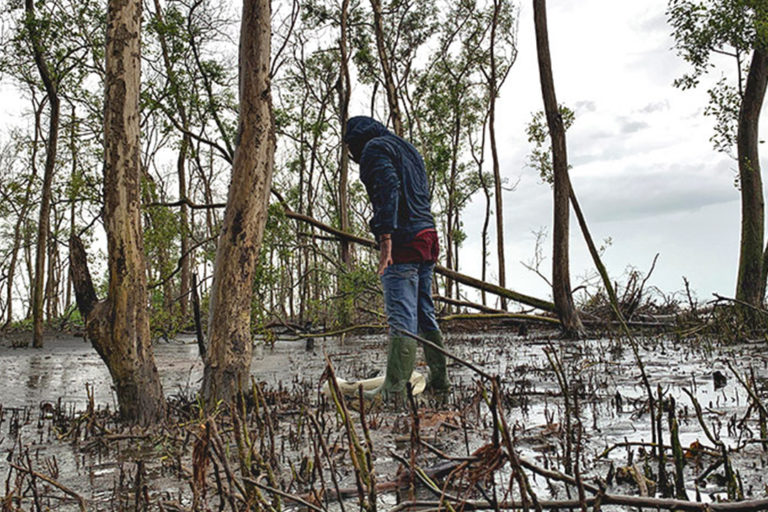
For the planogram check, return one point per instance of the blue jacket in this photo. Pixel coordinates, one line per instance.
(394, 176)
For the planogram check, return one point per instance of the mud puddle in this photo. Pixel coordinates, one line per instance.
(603, 377)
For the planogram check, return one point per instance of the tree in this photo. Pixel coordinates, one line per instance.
(703, 29)
(50, 81)
(502, 51)
(561, 281)
(118, 327)
(228, 359)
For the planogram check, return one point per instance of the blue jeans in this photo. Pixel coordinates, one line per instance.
(408, 297)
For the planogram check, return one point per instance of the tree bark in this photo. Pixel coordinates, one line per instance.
(51, 91)
(750, 286)
(561, 281)
(386, 69)
(228, 359)
(118, 327)
(344, 89)
(495, 156)
(180, 166)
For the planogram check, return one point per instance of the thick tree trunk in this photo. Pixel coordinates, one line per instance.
(38, 295)
(386, 69)
(228, 360)
(495, 157)
(119, 326)
(750, 286)
(561, 281)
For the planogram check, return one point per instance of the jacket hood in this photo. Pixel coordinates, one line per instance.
(360, 130)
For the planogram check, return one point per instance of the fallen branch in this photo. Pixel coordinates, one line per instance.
(467, 304)
(502, 316)
(445, 353)
(282, 493)
(605, 499)
(63, 488)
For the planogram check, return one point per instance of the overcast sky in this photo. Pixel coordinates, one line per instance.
(643, 169)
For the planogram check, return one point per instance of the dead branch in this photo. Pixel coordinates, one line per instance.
(605, 499)
(63, 488)
(445, 353)
(467, 304)
(501, 316)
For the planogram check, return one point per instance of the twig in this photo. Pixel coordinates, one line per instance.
(284, 494)
(63, 488)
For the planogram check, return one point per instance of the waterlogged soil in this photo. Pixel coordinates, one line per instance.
(609, 399)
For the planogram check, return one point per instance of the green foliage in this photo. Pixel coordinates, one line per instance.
(706, 29)
(537, 130)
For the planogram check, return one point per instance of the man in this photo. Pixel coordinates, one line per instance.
(394, 176)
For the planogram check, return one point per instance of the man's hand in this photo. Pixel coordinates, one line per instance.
(385, 256)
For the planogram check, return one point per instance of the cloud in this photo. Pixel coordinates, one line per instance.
(647, 191)
(656, 106)
(584, 106)
(631, 125)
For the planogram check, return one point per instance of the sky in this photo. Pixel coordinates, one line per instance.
(643, 167)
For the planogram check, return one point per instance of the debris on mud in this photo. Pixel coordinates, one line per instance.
(539, 424)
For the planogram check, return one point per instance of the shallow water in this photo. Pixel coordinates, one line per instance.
(605, 370)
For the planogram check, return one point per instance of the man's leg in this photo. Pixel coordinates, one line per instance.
(429, 330)
(400, 283)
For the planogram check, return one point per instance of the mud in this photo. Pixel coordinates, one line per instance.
(603, 376)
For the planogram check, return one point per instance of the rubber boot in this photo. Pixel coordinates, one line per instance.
(401, 358)
(438, 378)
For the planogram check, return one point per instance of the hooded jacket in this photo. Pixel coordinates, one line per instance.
(394, 176)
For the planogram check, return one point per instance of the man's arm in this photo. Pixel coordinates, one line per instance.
(383, 186)
(385, 254)
(382, 183)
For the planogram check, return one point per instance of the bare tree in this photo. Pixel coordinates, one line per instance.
(228, 358)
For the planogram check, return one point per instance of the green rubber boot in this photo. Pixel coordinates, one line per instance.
(438, 378)
(401, 358)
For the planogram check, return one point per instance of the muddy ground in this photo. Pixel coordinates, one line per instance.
(300, 443)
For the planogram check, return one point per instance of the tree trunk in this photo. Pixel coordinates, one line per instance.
(495, 157)
(344, 88)
(561, 281)
(38, 295)
(386, 69)
(118, 327)
(184, 263)
(228, 360)
(750, 286)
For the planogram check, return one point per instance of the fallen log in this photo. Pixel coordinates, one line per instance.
(502, 316)
(444, 271)
(467, 304)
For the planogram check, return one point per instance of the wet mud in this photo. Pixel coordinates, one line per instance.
(567, 406)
